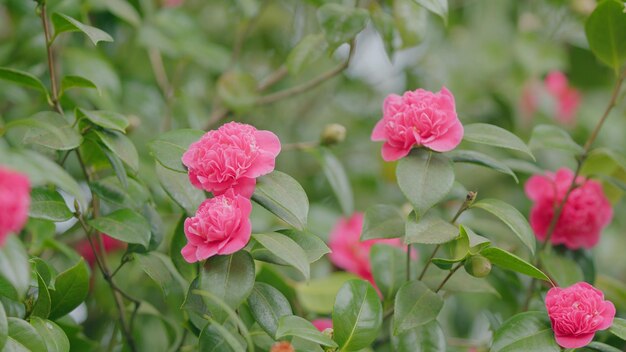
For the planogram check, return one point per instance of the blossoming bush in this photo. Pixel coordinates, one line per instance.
(203, 176)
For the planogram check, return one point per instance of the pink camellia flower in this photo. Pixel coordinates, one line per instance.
(349, 252)
(14, 202)
(577, 312)
(110, 245)
(585, 214)
(323, 324)
(221, 226)
(232, 156)
(418, 118)
(567, 98)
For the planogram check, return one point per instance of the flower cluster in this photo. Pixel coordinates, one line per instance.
(564, 98)
(226, 162)
(14, 202)
(585, 214)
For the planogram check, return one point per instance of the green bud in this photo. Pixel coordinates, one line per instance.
(333, 134)
(477, 266)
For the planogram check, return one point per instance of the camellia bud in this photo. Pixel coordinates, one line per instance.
(333, 134)
(282, 346)
(477, 266)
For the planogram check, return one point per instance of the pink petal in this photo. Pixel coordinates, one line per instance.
(268, 142)
(378, 134)
(390, 153)
(189, 253)
(245, 187)
(538, 187)
(608, 315)
(449, 140)
(239, 239)
(263, 164)
(322, 324)
(574, 341)
(206, 251)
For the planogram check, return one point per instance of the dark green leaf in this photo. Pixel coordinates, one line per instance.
(48, 204)
(425, 178)
(438, 7)
(179, 240)
(425, 338)
(4, 327)
(70, 290)
(341, 23)
(136, 195)
(286, 249)
(118, 166)
(415, 305)
(268, 305)
(160, 269)
(305, 53)
(122, 146)
(473, 157)
(430, 229)
(529, 331)
(106, 119)
(605, 29)
(48, 129)
(63, 23)
(284, 197)
(552, 137)
(124, 10)
(23, 78)
(388, 268)
(338, 179)
(53, 336)
(125, 225)
(313, 246)
(357, 315)
(488, 134)
(619, 328)
(25, 335)
(318, 295)
(168, 148)
(238, 90)
(382, 221)
(43, 305)
(216, 338)
(600, 347)
(512, 218)
(293, 325)
(178, 187)
(14, 268)
(522, 166)
(69, 82)
(510, 261)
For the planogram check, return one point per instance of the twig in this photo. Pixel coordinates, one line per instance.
(51, 69)
(457, 267)
(272, 79)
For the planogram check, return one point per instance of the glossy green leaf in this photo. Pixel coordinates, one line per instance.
(293, 325)
(110, 189)
(318, 295)
(122, 146)
(53, 336)
(168, 148)
(25, 336)
(529, 331)
(477, 158)
(179, 240)
(306, 53)
(388, 268)
(125, 225)
(341, 23)
(430, 229)
(286, 249)
(357, 315)
(48, 129)
(238, 90)
(415, 305)
(338, 180)
(268, 305)
(105, 119)
(22, 78)
(411, 21)
(553, 138)
(216, 338)
(70, 290)
(438, 7)
(14, 268)
(382, 221)
(178, 187)
(425, 338)
(512, 218)
(43, 305)
(63, 23)
(69, 82)
(159, 268)
(313, 246)
(230, 278)
(484, 133)
(4, 327)
(564, 271)
(605, 28)
(522, 166)
(48, 204)
(599, 347)
(476, 242)
(284, 197)
(510, 261)
(619, 328)
(425, 178)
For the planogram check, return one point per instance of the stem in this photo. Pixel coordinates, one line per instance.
(452, 271)
(408, 262)
(53, 81)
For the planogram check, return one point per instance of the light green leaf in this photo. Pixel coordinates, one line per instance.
(425, 178)
(24, 335)
(63, 23)
(53, 336)
(284, 197)
(415, 305)
(318, 295)
(430, 229)
(313, 246)
(124, 10)
(122, 146)
(510, 261)
(293, 325)
(14, 268)
(428, 337)
(22, 78)
(477, 158)
(388, 268)
(286, 249)
(178, 187)
(69, 82)
(70, 289)
(552, 137)
(605, 28)
(383, 22)
(438, 7)
(619, 328)
(168, 148)
(106, 119)
(238, 90)
(529, 331)
(125, 225)
(48, 204)
(341, 23)
(483, 133)
(305, 53)
(48, 129)
(267, 306)
(4, 327)
(411, 21)
(382, 221)
(564, 271)
(338, 179)
(357, 315)
(512, 218)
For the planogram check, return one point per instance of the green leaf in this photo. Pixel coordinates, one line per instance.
(70, 289)
(25, 336)
(122, 146)
(510, 261)
(43, 305)
(415, 305)
(63, 23)
(293, 325)
(124, 10)
(168, 148)
(383, 22)
(105, 119)
(522, 166)
(216, 338)
(564, 271)
(430, 229)
(512, 218)
(338, 179)
(284, 197)
(438, 7)
(179, 240)
(425, 178)
(14, 268)
(484, 133)
(411, 21)
(600, 347)
(313, 246)
(357, 315)
(157, 266)
(318, 295)
(428, 337)
(268, 305)
(178, 187)
(125, 225)
(48, 204)
(382, 221)
(22, 78)
(341, 23)
(230, 278)
(48, 129)
(552, 137)
(69, 82)
(529, 331)
(477, 158)
(388, 268)
(605, 28)
(110, 189)
(52, 335)
(305, 53)
(238, 90)
(118, 167)
(286, 249)
(4, 327)
(619, 328)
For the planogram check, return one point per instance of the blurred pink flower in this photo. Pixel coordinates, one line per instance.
(585, 214)
(323, 324)
(14, 202)
(232, 156)
(349, 252)
(566, 99)
(418, 118)
(221, 226)
(577, 312)
(110, 245)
